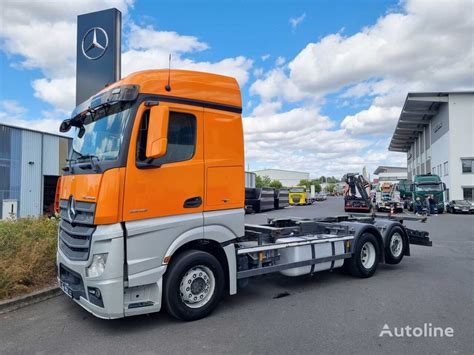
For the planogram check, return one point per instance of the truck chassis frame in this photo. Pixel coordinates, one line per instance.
(265, 250)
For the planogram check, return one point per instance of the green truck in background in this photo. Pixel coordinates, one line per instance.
(422, 187)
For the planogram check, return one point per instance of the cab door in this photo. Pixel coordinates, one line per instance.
(171, 185)
(163, 198)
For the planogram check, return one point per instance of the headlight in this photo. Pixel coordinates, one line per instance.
(98, 265)
(456, 208)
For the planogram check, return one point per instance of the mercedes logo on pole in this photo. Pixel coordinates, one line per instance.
(95, 43)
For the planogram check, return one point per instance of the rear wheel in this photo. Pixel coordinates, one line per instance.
(395, 246)
(193, 285)
(365, 259)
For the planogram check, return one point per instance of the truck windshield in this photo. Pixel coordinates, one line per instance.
(429, 187)
(103, 135)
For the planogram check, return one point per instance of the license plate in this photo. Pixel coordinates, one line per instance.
(67, 290)
(465, 210)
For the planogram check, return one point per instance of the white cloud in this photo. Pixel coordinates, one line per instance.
(144, 38)
(265, 57)
(266, 108)
(12, 107)
(296, 21)
(60, 93)
(275, 84)
(302, 139)
(12, 113)
(280, 61)
(134, 60)
(374, 120)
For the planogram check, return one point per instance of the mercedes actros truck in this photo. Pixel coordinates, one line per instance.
(152, 205)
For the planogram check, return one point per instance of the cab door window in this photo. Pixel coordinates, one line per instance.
(181, 139)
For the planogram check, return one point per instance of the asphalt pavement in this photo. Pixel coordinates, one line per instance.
(329, 312)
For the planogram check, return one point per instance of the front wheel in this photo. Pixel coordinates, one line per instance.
(193, 285)
(365, 259)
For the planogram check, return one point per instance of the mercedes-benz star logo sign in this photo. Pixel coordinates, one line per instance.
(71, 210)
(95, 43)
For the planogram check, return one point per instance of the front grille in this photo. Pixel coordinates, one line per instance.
(76, 229)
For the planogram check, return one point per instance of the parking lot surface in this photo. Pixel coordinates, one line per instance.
(329, 312)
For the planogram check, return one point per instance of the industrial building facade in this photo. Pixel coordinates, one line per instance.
(288, 178)
(391, 173)
(436, 131)
(30, 164)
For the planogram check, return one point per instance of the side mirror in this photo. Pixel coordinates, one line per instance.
(157, 137)
(412, 187)
(65, 126)
(444, 186)
(81, 132)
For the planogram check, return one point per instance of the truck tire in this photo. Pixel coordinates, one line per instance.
(395, 245)
(193, 285)
(365, 259)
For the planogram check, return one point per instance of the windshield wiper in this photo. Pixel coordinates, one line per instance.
(90, 157)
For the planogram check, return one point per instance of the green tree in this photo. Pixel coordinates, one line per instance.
(317, 185)
(330, 188)
(276, 184)
(262, 181)
(322, 179)
(305, 183)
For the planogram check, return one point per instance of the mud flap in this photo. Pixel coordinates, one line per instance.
(419, 237)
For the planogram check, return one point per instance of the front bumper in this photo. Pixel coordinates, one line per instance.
(110, 291)
(74, 282)
(463, 211)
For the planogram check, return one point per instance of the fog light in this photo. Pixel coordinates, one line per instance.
(98, 265)
(95, 292)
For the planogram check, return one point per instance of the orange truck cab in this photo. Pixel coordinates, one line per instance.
(152, 205)
(165, 168)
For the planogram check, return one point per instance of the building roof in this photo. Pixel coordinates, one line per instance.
(34, 130)
(389, 169)
(418, 110)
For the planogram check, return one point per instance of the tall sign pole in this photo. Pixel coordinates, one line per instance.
(98, 51)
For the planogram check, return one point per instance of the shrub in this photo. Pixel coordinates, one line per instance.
(27, 255)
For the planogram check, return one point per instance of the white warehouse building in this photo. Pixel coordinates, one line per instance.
(288, 178)
(391, 173)
(30, 165)
(436, 130)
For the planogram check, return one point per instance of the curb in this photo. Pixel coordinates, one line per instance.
(29, 299)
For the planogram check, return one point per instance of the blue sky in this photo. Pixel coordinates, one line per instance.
(323, 82)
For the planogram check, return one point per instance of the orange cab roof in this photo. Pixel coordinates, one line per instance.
(186, 84)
